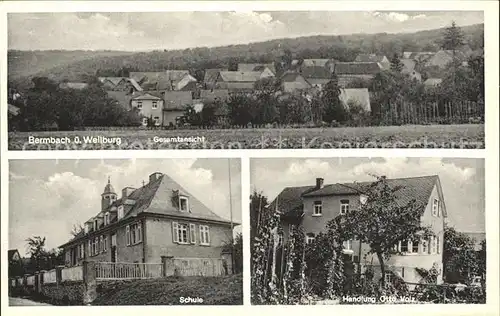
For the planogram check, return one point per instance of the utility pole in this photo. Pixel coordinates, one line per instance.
(231, 214)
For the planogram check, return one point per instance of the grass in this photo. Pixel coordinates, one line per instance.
(227, 290)
(407, 136)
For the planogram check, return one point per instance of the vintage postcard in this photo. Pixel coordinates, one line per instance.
(123, 232)
(245, 80)
(368, 231)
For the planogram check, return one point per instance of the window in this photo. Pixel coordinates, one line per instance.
(82, 251)
(96, 246)
(309, 238)
(425, 248)
(192, 233)
(127, 234)
(180, 233)
(438, 245)
(135, 233)
(95, 224)
(404, 246)
(105, 244)
(183, 204)
(318, 208)
(435, 207)
(347, 245)
(362, 199)
(388, 278)
(106, 218)
(155, 104)
(344, 207)
(90, 248)
(139, 105)
(433, 245)
(120, 211)
(204, 235)
(87, 228)
(414, 246)
(101, 244)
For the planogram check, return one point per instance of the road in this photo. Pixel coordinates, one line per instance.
(17, 301)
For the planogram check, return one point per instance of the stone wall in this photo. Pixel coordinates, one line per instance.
(67, 293)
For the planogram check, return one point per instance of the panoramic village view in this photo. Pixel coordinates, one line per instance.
(156, 243)
(411, 90)
(368, 231)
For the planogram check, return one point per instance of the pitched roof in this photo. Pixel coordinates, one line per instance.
(433, 81)
(365, 58)
(162, 79)
(146, 96)
(134, 84)
(246, 67)
(73, 85)
(357, 68)
(177, 100)
(11, 253)
(316, 72)
(359, 95)
(211, 74)
(114, 80)
(211, 95)
(239, 76)
(418, 188)
(408, 65)
(13, 110)
(289, 76)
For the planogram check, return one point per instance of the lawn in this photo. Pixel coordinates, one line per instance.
(227, 290)
(469, 136)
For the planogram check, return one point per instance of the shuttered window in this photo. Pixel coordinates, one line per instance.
(175, 231)
(127, 234)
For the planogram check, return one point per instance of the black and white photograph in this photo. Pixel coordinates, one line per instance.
(125, 232)
(368, 231)
(245, 80)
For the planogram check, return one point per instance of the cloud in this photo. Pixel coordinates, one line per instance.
(50, 206)
(179, 30)
(463, 185)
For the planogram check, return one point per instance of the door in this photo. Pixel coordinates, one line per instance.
(113, 248)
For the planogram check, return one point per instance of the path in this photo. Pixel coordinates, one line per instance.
(17, 301)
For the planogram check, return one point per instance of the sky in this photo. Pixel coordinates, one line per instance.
(47, 197)
(178, 30)
(462, 180)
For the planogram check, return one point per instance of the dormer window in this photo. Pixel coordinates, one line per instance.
(120, 211)
(87, 228)
(95, 224)
(183, 204)
(106, 218)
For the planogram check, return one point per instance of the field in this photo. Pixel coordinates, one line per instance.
(466, 136)
(226, 290)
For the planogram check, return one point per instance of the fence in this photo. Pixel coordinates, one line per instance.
(432, 113)
(200, 267)
(128, 271)
(50, 276)
(72, 274)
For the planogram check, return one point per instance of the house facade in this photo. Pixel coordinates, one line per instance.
(150, 107)
(159, 219)
(312, 207)
(349, 71)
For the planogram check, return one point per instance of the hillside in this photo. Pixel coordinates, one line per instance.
(226, 290)
(343, 48)
(27, 63)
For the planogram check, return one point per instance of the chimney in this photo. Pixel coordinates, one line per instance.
(319, 183)
(126, 192)
(154, 176)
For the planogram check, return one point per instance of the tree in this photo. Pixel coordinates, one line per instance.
(461, 261)
(36, 249)
(333, 109)
(382, 222)
(453, 38)
(396, 64)
(232, 64)
(258, 202)
(76, 230)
